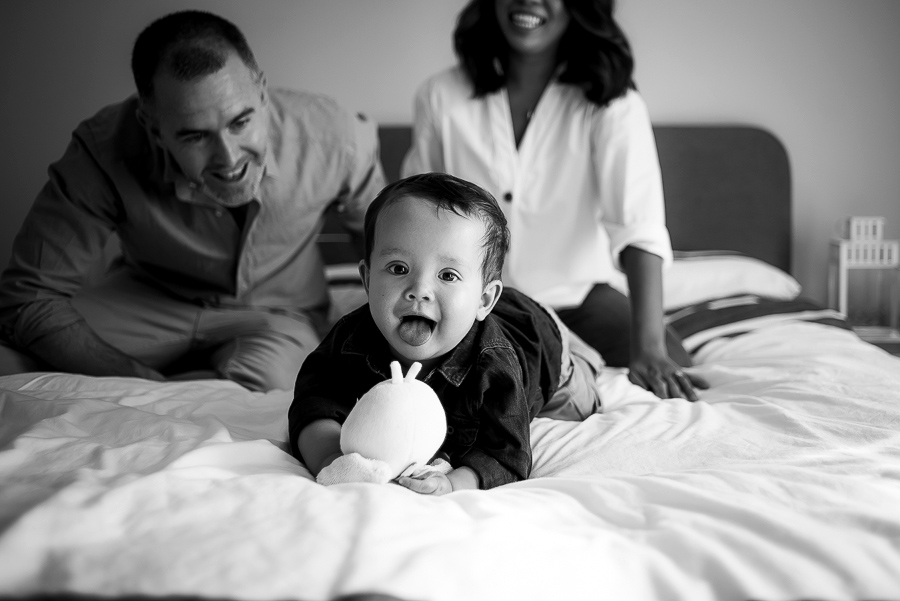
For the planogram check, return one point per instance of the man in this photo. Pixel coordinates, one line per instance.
(216, 187)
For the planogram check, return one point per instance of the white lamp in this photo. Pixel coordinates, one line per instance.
(864, 279)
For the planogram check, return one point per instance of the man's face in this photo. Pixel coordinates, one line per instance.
(424, 280)
(215, 128)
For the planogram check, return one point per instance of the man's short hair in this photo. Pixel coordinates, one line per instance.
(186, 45)
(449, 193)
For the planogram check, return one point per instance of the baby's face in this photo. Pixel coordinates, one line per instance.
(424, 280)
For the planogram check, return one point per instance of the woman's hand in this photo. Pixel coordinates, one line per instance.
(661, 376)
(650, 365)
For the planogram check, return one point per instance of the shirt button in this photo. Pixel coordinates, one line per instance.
(508, 197)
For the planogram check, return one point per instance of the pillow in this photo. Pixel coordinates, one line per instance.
(697, 277)
(729, 317)
(693, 277)
(345, 290)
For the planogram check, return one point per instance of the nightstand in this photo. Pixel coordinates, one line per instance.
(864, 281)
(882, 337)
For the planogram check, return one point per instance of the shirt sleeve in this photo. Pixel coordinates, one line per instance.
(425, 154)
(322, 389)
(630, 180)
(502, 450)
(365, 176)
(59, 243)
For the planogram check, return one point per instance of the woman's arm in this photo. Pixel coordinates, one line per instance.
(650, 365)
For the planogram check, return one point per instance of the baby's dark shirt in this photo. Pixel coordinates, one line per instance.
(491, 385)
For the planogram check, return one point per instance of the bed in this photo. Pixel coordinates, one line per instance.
(781, 483)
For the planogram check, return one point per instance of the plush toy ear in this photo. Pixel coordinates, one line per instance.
(397, 374)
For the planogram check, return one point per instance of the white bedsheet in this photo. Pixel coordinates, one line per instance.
(783, 482)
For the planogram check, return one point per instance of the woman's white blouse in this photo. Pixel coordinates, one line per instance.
(583, 185)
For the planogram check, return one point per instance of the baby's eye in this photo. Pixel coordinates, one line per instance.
(448, 276)
(397, 269)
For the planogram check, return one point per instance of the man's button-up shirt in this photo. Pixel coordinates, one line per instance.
(114, 179)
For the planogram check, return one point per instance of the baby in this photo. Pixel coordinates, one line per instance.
(434, 251)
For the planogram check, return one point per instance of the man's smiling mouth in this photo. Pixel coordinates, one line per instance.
(416, 330)
(232, 177)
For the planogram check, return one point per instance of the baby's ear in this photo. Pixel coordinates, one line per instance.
(364, 274)
(489, 297)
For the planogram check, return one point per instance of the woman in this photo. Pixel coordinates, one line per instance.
(542, 111)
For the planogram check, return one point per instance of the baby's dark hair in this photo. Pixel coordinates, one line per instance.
(450, 194)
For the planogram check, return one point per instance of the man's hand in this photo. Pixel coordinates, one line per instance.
(664, 378)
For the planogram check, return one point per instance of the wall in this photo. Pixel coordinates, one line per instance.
(821, 74)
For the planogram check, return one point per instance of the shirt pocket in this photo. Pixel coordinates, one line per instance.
(461, 435)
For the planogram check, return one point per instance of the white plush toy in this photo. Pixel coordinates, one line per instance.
(392, 431)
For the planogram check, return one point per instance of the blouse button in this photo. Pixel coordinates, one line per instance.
(508, 197)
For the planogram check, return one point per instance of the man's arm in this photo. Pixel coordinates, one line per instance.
(60, 242)
(364, 176)
(78, 349)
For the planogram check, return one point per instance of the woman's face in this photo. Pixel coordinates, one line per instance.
(532, 27)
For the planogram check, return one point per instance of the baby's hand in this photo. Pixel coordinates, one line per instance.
(429, 483)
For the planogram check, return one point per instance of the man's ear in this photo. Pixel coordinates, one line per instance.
(148, 121)
(364, 274)
(489, 297)
(263, 88)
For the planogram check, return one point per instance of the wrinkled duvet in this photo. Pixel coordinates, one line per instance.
(782, 482)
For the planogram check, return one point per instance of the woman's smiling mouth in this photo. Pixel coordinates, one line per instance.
(526, 20)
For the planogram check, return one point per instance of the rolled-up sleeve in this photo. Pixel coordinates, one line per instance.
(502, 450)
(59, 243)
(364, 173)
(329, 382)
(627, 167)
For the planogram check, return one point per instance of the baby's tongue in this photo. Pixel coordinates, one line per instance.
(415, 331)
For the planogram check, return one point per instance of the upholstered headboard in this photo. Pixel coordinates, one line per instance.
(726, 187)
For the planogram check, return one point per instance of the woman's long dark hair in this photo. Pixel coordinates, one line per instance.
(594, 49)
